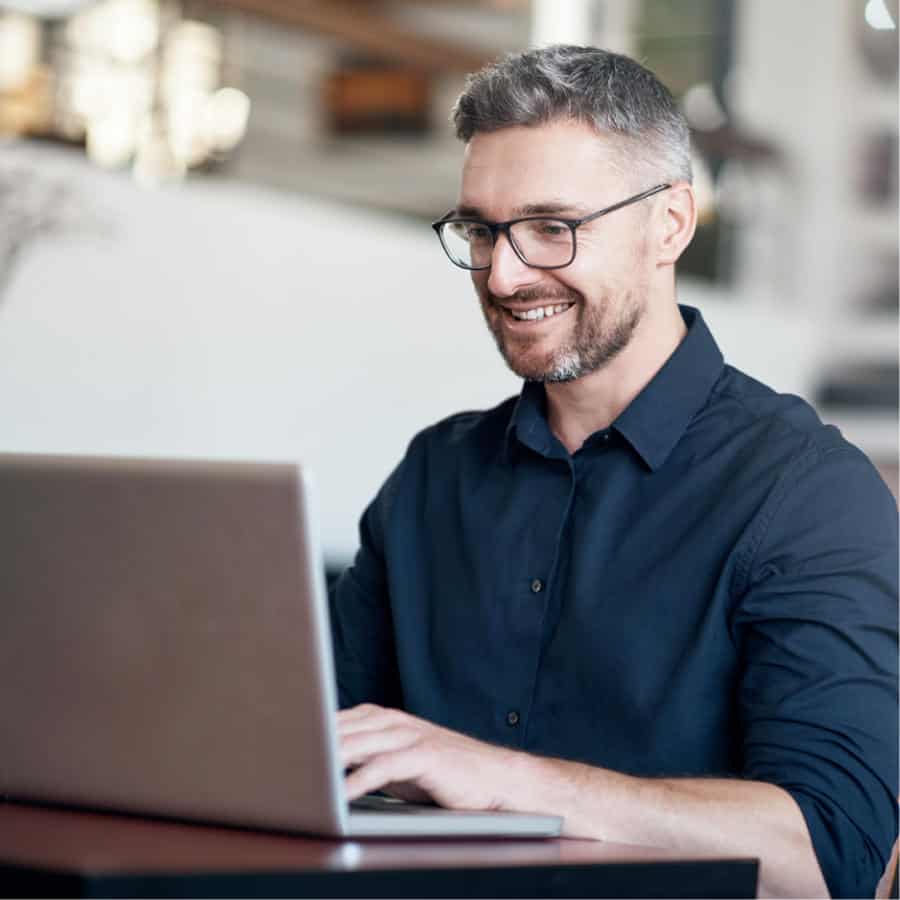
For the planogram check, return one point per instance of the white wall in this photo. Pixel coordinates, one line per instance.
(223, 321)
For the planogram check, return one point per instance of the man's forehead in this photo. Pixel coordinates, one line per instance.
(553, 141)
(557, 206)
(548, 168)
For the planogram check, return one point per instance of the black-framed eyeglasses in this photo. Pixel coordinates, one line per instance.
(541, 242)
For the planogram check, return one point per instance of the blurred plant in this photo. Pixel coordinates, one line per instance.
(34, 207)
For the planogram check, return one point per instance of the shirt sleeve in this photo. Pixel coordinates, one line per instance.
(361, 622)
(816, 624)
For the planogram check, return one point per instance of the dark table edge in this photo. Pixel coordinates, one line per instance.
(667, 878)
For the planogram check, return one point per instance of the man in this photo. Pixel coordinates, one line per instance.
(649, 594)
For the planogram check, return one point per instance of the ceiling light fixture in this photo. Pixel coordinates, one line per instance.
(133, 80)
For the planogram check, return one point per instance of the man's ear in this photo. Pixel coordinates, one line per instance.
(679, 221)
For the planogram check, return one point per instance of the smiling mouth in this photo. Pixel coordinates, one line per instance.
(538, 314)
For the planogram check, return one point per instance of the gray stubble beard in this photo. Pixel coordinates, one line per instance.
(595, 341)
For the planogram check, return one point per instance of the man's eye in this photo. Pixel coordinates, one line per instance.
(478, 233)
(546, 230)
(552, 229)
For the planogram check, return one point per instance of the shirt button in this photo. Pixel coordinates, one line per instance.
(605, 437)
(537, 586)
(512, 718)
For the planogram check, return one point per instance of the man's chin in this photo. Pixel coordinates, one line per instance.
(538, 359)
(519, 364)
(547, 371)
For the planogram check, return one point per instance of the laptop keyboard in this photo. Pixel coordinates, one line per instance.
(383, 804)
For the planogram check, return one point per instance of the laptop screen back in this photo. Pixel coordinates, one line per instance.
(165, 641)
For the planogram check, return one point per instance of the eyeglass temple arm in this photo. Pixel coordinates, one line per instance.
(627, 202)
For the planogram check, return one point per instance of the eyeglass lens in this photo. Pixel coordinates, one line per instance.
(541, 242)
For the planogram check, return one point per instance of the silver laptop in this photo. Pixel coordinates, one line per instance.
(165, 649)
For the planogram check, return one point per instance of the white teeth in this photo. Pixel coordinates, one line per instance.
(542, 312)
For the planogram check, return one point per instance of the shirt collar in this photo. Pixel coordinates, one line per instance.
(655, 420)
(528, 422)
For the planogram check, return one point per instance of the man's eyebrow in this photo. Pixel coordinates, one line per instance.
(551, 208)
(546, 208)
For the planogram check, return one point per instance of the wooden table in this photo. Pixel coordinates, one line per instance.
(48, 851)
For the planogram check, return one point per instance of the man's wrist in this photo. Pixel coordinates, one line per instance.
(550, 786)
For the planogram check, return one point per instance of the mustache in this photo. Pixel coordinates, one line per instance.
(528, 295)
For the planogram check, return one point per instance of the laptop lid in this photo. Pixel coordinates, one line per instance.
(165, 645)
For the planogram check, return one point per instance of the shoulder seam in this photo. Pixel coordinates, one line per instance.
(808, 435)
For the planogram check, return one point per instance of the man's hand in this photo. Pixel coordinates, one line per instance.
(417, 760)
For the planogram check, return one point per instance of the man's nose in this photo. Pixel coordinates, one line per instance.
(508, 273)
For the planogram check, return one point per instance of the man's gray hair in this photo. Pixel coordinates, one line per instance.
(612, 93)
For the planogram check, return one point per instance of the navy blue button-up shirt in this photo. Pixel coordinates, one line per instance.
(707, 587)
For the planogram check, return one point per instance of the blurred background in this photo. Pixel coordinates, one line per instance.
(214, 216)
